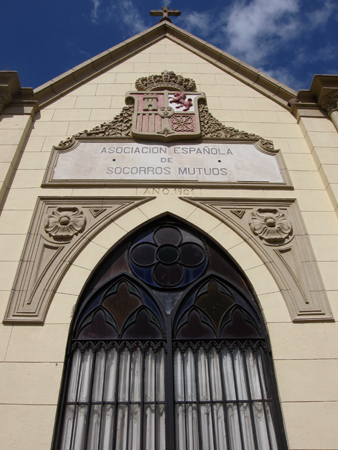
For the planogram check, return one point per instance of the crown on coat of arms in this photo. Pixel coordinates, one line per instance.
(167, 80)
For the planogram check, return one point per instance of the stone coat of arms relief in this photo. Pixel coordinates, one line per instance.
(166, 115)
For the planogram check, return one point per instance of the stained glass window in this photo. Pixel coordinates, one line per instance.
(168, 350)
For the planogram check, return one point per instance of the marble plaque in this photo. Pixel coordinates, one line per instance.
(235, 162)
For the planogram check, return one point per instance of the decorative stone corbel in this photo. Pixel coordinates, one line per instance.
(330, 104)
(5, 98)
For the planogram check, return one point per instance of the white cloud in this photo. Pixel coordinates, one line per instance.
(197, 21)
(127, 16)
(166, 2)
(257, 30)
(252, 30)
(94, 13)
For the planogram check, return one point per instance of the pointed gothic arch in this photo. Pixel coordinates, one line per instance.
(168, 350)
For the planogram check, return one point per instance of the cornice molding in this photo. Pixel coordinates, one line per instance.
(90, 69)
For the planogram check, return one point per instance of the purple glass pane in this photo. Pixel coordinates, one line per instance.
(195, 328)
(142, 328)
(121, 304)
(192, 255)
(168, 276)
(168, 254)
(98, 329)
(167, 235)
(239, 328)
(144, 254)
(214, 303)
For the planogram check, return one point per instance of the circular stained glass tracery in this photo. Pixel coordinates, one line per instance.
(168, 257)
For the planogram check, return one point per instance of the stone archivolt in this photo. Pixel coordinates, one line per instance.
(288, 256)
(60, 229)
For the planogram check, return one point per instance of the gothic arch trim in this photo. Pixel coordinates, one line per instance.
(60, 229)
(282, 243)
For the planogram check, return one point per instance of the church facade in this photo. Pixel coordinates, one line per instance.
(169, 251)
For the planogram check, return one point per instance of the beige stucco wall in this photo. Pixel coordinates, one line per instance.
(305, 355)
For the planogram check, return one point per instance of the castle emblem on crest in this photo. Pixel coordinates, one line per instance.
(165, 108)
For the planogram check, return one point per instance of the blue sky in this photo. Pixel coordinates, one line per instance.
(291, 40)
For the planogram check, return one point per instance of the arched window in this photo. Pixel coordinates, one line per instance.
(168, 350)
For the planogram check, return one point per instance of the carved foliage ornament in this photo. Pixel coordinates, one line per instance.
(5, 99)
(271, 225)
(64, 223)
(330, 102)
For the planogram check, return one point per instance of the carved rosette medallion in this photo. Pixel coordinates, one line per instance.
(64, 223)
(271, 225)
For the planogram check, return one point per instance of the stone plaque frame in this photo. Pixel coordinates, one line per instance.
(48, 180)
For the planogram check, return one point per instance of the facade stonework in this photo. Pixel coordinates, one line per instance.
(283, 238)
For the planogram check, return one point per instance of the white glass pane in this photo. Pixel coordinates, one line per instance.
(272, 434)
(122, 427)
(149, 427)
(218, 412)
(134, 427)
(149, 376)
(74, 376)
(85, 376)
(244, 411)
(192, 427)
(94, 428)
(189, 376)
(203, 376)
(253, 375)
(107, 423)
(110, 377)
(136, 376)
(124, 376)
(215, 376)
(160, 370)
(160, 427)
(228, 374)
(180, 427)
(234, 428)
(178, 376)
(240, 375)
(260, 424)
(206, 427)
(261, 373)
(67, 427)
(80, 427)
(98, 376)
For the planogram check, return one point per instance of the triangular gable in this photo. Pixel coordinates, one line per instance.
(95, 66)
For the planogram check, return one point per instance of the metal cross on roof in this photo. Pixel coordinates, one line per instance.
(165, 13)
